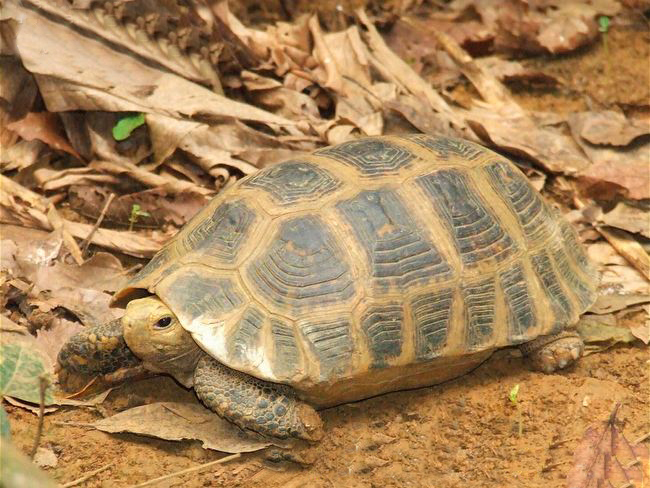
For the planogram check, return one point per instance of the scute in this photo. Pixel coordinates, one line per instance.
(444, 147)
(370, 156)
(304, 266)
(294, 181)
(222, 234)
(400, 255)
(478, 233)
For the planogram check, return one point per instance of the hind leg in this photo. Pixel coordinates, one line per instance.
(552, 352)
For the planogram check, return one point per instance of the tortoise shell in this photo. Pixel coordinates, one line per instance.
(374, 265)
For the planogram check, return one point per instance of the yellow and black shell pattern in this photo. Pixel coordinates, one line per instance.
(366, 258)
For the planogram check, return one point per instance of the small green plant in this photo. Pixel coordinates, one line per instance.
(136, 213)
(603, 28)
(122, 130)
(513, 397)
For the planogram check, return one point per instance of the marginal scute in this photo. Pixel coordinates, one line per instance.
(575, 250)
(370, 156)
(478, 234)
(159, 266)
(287, 356)
(431, 318)
(246, 336)
(294, 181)
(382, 325)
(444, 147)
(531, 212)
(399, 254)
(562, 310)
(331, 342)
(222, 234)
(521, 309)
(580, 290)
(304, 266)
(479, 301)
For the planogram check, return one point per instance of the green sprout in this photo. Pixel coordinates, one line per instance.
(126, 125)
(603, 24)
(513, 397)
(136, 213)
(603, 27)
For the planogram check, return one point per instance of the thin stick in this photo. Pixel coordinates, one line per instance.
(87, 476)
(87, 240)
(42, 385)
(189, 470)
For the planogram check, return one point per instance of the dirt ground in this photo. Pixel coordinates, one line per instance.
(461, 433)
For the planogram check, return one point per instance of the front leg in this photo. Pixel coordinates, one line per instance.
(268, 408)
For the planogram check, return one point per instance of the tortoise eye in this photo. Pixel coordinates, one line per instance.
(163, 323)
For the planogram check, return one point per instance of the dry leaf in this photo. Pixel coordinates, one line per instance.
(629, 248)
(12, 212)
(608, 127)
(50, 341)
(616, 172)
(600, 332)
(606, 304)
(180, 421)
(162, 207)
(46, 127)
(605, 457)
(641, 328)
(629, 217)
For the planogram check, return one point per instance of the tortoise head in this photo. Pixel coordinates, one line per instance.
(148, 333)
(154, 334)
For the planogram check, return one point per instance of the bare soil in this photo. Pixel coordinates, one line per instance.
(461, 433)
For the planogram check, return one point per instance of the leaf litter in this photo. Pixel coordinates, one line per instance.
(249, 97)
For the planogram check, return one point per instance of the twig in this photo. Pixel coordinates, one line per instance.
(87, 240)
(87, 476)
(43, 383)
(189, 470)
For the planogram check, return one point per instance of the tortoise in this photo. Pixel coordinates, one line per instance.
(376, 265)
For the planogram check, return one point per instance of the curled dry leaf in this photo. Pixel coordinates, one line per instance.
(604, 457)
(180, 421)
(49, 179)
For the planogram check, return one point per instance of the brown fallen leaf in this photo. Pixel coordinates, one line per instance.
(51, 340)
(631, 217)
(600, 332)
(608, 127)
(606, 304)
(640, 327)
(616, 172)
(605, 458)
(34, 215)
(46, 127)
(180, 421)
(162, 207)
(629, 248)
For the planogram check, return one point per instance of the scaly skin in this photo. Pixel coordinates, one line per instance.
(264, 407)
(97, 350)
